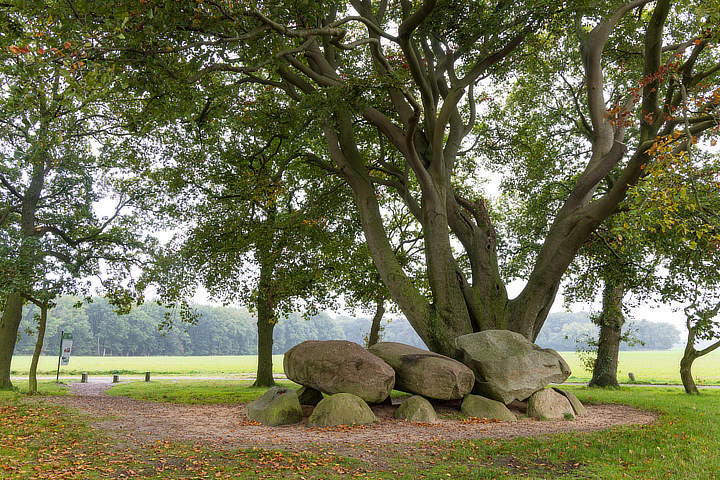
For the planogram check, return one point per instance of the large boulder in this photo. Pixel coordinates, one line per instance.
(416, 409)
(425, 373)
(481, 407)
(339, 366)
(277, 406)
(547, 404)
(341, 409)
(507, 366)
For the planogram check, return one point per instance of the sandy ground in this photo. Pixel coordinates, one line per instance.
(227, 426)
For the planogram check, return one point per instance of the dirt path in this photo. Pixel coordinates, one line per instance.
(227, 426)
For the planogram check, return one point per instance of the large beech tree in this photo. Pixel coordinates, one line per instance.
(412, 73)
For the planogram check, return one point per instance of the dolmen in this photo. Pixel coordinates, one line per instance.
(491, 370)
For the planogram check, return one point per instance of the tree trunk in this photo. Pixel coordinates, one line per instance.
(686, 362)
(611, 323)
(12, 314)
(264, 376)
(266, 321)
(374, 336)
(32, 379)
(686, 374)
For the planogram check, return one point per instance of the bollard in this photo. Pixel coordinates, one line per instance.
(84, 378)
(116, 378)
(632, 376)
(147, 376)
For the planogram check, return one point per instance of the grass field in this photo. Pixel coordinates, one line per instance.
(219, 365)
(42, 441)
(648, 367)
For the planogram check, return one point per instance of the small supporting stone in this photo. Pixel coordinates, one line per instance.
(147, 376)
(84, 377)
(116, 378)
(632, 376)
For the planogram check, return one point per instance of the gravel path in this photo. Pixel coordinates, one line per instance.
(227, 426)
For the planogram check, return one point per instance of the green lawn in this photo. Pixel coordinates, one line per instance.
(39, 441)
(218, 365)
(201, 391)
(194, 391)
(650, 366)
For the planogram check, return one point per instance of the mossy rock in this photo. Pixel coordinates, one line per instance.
(277, 406)
(341, 409)
(578, 407)
(416, 409)
(481, 407)
(547, 404)
(309, 396)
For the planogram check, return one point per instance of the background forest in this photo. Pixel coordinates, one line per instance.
(98, 330)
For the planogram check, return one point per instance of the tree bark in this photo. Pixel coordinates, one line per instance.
(611, 323)
(265, 324)
(12, 314)
(374, 336)
(686, 372)
(689, 356)
(265, 304)
(32, 378)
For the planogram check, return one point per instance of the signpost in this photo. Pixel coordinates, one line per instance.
(65, 349)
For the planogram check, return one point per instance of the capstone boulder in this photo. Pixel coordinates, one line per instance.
(507, 366)
(425, 373)
(339, 366)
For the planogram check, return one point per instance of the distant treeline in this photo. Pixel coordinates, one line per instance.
(98, 330)
(570, 331)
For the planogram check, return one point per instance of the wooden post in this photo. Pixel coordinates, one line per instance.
(116, 378)
(84, 378)
(147, 376)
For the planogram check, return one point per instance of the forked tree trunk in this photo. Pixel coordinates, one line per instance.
(9, 323)
(611, 323)
(374, 336)
(32, 379)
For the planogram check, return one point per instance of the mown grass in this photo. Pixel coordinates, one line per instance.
(195, 391)
(216, 365)
(201, 391)
(41, 441)
(648, 367)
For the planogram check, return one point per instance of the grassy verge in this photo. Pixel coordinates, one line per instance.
(41, 441)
